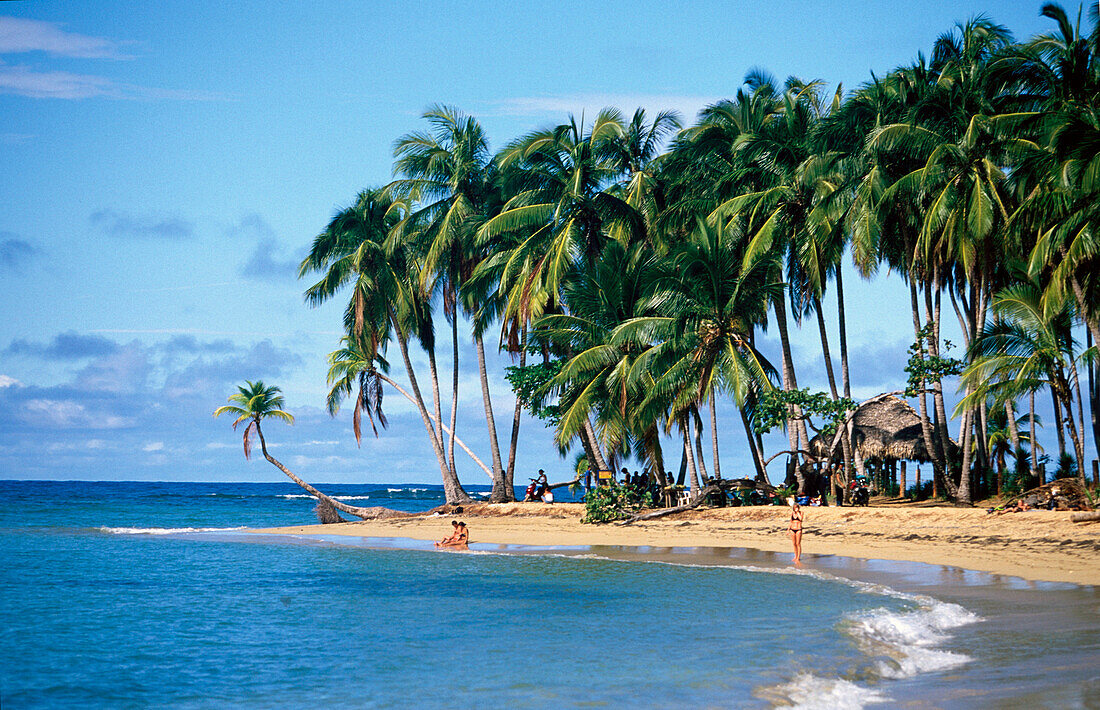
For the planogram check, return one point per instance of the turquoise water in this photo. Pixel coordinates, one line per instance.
(146, 595)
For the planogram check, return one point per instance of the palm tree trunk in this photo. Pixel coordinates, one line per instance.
(789, 381)
(500, 493)
(933, 306)
(963, 494)
(757, 457)
(1078, 434)
(930, 446)
(452, 488)
(517, 415)
(454, 390)
(1058, 424)
(1033, 435)
(1094, 393)
(845, 439)
(358, 512)
(685, 426)
(590, 432)
(698, 436)
(434, 373)
(714, 435)
(841, 319)
(458, 441)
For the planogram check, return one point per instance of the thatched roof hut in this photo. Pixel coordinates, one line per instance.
(884, 428)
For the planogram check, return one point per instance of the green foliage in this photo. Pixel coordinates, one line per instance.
(614, 501)
(924, 368)
(772, 409)
(531, 383)
(1067, 466)
(923, 492)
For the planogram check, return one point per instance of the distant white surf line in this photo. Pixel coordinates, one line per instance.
(306, 495)
(163, 531)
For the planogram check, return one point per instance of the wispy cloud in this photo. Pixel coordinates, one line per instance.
(124, 225)
(20, 35)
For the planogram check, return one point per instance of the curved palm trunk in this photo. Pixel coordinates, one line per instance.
(462, 444)
(501, 492)
(757, 455)
(452, 488)
(594, 444)
(364, 513)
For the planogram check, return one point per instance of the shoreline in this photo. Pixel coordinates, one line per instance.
(1039, 545)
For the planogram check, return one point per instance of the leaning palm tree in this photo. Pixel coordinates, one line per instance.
(252, 403)
(386, 298)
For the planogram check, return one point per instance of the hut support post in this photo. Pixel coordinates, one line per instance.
(901, 481)
(918, 482)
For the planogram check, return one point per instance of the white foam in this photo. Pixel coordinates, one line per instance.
(288, 496)
(163, 531)
(351, 497)
(809, 692)
(906, 639)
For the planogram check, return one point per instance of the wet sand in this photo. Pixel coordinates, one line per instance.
(1037, 545)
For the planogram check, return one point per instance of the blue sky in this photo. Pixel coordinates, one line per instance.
(165, 165)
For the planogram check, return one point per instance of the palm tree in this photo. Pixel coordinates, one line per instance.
(706, 310)
(448, 173)
(253, 402)
(386, 298)
(1027, 346)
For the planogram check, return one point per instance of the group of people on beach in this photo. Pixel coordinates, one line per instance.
(459, 538)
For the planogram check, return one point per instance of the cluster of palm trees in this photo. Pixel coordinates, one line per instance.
(645, 276)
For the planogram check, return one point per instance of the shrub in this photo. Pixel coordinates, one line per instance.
(613, 501)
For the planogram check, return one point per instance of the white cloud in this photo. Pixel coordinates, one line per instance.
(153, 446)
(67, 414)
(6, 381)
(18, 35)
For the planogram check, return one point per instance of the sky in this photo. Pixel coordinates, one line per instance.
(165, 166)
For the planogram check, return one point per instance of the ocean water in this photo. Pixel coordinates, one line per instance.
(136, 595)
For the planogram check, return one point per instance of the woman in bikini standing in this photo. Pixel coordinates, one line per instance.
(794, 529)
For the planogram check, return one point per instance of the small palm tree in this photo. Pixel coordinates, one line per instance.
(253, 403)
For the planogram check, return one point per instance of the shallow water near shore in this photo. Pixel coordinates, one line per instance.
(138, 595)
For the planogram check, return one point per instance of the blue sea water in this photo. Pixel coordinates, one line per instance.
(135, 595)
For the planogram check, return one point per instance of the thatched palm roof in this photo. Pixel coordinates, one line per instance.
(883, 427)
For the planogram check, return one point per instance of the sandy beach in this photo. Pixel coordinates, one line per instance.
(1037, 545)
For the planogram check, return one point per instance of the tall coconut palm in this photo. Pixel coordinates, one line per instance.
(253, 403)
(449, 176)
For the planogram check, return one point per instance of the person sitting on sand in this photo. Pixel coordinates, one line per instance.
(460, 540)
(794, 528)
(450, 538)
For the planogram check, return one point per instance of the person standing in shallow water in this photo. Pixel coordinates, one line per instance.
(794, 529)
